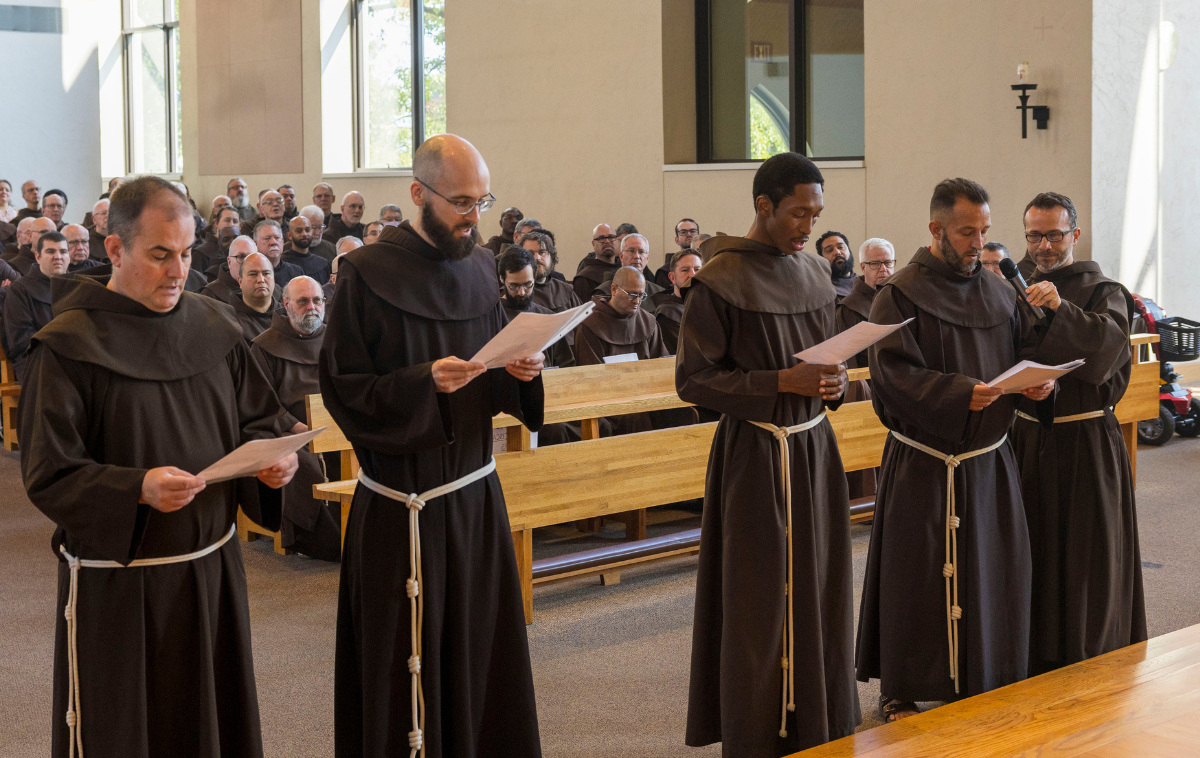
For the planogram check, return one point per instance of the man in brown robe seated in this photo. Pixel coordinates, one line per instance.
(877, 257)
(268, 239)
(209, 255)
(14, 248)
(54, 206)
(133, 387)
(323, 197)
(288, 352)
(593, 268)
(77, 246)
(1075, 471)
(300, 238)
(27, 302)
(226, 280)
(270, 208)
(26, 258)
(373, 230)
(685, 264)
(316, 227)
(835, 248)
(993, 253)
(349, 221)
(98, 231)
(32, 194)
(508, 224)
(550, 291)
(634, 253)
(420, 419)
(945, 602)
(516, 266)
(256, 298)
(687, 234)
(772, 670)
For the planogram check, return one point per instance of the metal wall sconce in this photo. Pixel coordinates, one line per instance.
(1041, 113)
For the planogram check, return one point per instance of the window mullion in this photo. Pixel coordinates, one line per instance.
(418, 68)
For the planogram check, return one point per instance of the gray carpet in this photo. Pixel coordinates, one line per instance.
(610, 663)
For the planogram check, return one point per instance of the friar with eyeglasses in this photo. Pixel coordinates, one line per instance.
(516, 266)
(431, 645)
(1075, 472)
(287, 352)
(772, 644)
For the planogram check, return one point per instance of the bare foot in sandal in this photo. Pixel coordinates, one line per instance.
(894, 710)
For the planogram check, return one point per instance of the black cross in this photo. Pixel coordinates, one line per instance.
(1043, 27)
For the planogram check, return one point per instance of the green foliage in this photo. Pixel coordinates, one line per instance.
(765, 138)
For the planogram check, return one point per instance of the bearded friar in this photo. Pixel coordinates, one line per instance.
(431, 646)
(835, 248)
(131, 389)
(1075, 472)
(945, 603)
(549, 291)
(288, 353)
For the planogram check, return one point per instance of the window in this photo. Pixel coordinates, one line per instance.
(150, 31)
(777, 75)
(399, 78)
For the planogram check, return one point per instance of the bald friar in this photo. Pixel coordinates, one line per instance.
(131, 389)
(430, 601)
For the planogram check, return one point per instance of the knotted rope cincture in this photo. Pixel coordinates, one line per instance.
(412, 587)
(1067, 419)
(950, 567)
(71, 614)
(781, 434)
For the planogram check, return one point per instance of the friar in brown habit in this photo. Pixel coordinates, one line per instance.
(288, 352)
(945, 603)
(224, 281)
(877, 258)
(257, 298)
(668, 311)
(603, 260)
(409, 309)
(549, 291)
(515, 267)
(1075, 473)
(131, 387)
(772, 645)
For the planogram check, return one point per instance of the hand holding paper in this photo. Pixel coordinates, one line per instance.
(529, 334)
(842, 347)
(1028, 374)
(255, 456)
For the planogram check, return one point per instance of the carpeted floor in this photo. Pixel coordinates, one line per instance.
(610, 663)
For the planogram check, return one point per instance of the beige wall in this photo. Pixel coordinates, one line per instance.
(588, 145)
(938, 105)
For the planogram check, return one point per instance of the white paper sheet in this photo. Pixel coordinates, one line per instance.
(1028, 374)
(844, 346)
(622, 358)
(529, 334)
(256, 455)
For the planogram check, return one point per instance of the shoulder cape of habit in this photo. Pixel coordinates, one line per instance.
(412, 275)
(755, 277)
(612, 328)
(37, 285)
(94, 324)
(860, 298)
(596, 270)
(284, 342)
(978, 301)
(1082, 278)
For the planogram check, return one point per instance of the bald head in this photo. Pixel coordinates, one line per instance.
(39, 227)
(445, 156)
(257, 281)
(77, 242)
(241, 247)
(304, 302)
(628, 290)
(100, 217)
(24, 228)
(604, 243)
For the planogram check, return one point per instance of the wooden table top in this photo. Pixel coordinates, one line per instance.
(1142, 700)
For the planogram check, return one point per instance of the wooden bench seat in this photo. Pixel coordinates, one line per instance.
(10, 394)
(1142, 700)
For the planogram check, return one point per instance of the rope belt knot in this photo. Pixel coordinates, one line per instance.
(1067, 419)
(71, 614)
(781, 434)
(953, 522)
(415, 502)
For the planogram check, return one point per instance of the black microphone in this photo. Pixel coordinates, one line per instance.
(1013, 275)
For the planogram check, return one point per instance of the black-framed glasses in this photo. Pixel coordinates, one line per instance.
(874, 265)
(687, 232)
(1054, 235)
(304, 302)
(637, 297)
(604, 238)
(484, 203)
(517, 288)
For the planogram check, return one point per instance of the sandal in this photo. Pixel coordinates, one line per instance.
(895, 710)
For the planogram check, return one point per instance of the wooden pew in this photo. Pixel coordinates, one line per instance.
(604, 477)
(1141, 700)
(10, 393)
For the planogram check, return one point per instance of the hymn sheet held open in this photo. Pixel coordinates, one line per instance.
(1028, 374)
(842, 347)
(256, 455)
(529, 334)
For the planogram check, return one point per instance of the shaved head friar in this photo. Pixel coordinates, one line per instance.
(451, 188)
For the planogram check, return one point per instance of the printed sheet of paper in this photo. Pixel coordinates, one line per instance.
(529, 334)
(1028, 374)
(622, 358)
(256, 455)
(844, 346)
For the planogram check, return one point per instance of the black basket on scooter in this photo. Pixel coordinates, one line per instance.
(1179, 339)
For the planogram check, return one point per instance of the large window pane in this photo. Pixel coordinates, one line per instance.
(833, 32)
(385, 89)
(435, 67)
(750, 83)
(178, 94)
(145, 12)
(147, 93)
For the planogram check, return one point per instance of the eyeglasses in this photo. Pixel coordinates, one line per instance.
(687, 232)
(516, 287)
(636, 297)
(874, 265)
(304, 302)
(1054, 235)
(464, 207)
(604, 238)
(77, 243)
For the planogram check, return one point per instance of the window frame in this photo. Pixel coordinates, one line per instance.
(170, 35)
(797, 99)
(359, 79)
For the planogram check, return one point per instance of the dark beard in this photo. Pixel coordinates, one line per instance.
(954, 259)
(539, 278)
(451, 248)
(841, 268)
(302, 244)
(520, 303)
